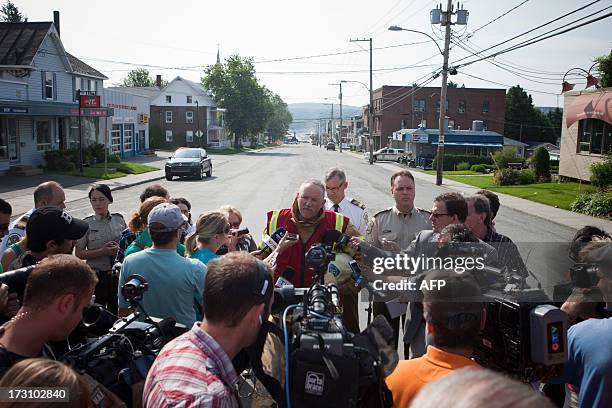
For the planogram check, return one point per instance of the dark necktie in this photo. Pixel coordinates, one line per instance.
(336, 208)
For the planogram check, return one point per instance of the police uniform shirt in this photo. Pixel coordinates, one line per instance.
(396, 227)
(101, 231)
(353, 209)
(16, 231)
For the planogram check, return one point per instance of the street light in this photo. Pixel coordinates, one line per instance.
(340, 131)
(398, 28)
(590, 79)
(331, 119)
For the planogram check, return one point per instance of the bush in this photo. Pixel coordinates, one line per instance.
(506, 177)
(526, 176)
(452, 160)
(479, 168)
(541, 164)
(463, 166)
(597, 204)
(61, 160)
(95, 153)
(506, 155)
(601, 173)
(113, 158)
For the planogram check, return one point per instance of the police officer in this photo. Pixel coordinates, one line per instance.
(99, 246)
(336, 200)
(394, 228)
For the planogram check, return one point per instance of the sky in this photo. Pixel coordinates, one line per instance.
(117, 36)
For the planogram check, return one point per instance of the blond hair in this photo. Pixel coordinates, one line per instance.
(228, 209)
(209, 224)
(138, 221)
(43, 372)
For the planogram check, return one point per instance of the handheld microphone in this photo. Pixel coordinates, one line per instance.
(333, 236)
(286, 278)
(270, 243)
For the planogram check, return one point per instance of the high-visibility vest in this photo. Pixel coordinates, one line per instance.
(295, 255)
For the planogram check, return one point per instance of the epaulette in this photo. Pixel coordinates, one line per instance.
(382, 211)
(358, 204)
(21, 224)
(419, 209)
(88, 216)
(118, 214)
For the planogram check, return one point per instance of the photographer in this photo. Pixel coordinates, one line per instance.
(196, 368)
(454, 314)
(57, 293)
(589, 365)
(243, 242)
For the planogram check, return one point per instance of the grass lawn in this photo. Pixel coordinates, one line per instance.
(553, 194)
(115, 170)
(454, 172)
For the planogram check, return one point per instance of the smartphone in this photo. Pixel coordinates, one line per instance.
(292, 236)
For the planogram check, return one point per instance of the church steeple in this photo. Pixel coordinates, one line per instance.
(218, 56)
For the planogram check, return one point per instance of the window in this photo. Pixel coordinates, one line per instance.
(485, 107)
(189, 117)
(168, 136)
(419, 105)
(189, 136)
(49, 85)
(594, 137)
(189, 99)
(461, 106)
(168, 116)
(84, 85)
(438, 106)
(95, 86)
(168, 98)
(4, 138)
(43, 135)
(128, 132)
(116, 139)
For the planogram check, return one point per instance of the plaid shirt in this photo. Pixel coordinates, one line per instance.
(127, 237)
(192, 371)
(507, 253)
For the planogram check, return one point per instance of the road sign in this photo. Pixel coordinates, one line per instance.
(199, 133)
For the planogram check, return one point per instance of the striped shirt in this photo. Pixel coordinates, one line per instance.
(507, 252)
(192, 371)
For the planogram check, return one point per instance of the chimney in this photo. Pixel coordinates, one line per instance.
(56, 21)
(158, 81)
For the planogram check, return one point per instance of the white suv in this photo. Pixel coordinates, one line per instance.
(388, 154)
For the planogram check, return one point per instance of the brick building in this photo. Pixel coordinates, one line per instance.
(397, 107)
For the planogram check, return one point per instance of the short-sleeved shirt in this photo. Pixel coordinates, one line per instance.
(395, 226)
(16, 231)
(204, 255)
(353, 209)
(192, 371)
(101, 230)
(143, 240)
(589, 362)
(174, 282)
(411, 375)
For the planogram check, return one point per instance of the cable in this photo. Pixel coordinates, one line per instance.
(506, 85)
(286, 335)
(496, 18)
(383, 16)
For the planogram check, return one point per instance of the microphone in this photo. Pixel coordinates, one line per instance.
(270, 243)
(330, 237)
(286, 278)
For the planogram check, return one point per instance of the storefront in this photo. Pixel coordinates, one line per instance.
(128, 130)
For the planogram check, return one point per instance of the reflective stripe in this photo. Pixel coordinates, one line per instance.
(273, 222)
(339, 222)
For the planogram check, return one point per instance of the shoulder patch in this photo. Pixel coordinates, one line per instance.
(22, 223)
(358, 204)
(419, 209)
(382, 211)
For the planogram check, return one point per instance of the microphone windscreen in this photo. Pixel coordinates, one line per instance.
(331, 237)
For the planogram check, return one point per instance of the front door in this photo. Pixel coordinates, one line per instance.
(13, 140)
(141, 139)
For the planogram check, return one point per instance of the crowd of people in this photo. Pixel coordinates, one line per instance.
(215, 280)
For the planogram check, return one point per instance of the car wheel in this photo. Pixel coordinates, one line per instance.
(168, 177)
(374, 159)
(209, 172)
(200, 175)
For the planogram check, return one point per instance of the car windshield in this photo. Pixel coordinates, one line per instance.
(187, 154)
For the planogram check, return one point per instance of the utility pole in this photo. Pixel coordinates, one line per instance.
(331, 124)
(444, 18)
(371, 105)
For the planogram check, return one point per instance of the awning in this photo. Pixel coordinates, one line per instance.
(471, 144)
(596, 105)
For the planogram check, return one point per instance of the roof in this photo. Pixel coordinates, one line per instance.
(546, 145)
(147, 91)
(512, 142)
(464, 132)
(19, 42)
(79, 67)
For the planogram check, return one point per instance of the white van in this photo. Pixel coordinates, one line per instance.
(388, 154)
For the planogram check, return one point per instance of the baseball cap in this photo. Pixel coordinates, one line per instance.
(601, 256)
(168, 215)
(51, 223)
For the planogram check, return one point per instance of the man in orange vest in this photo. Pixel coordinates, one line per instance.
(310, 221)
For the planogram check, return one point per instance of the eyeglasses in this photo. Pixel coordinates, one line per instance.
(438, 215)
(235, 225)
(332, 189)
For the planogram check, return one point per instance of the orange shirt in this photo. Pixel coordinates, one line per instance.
(411, 375)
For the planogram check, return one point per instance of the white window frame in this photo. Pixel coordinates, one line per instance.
(168, 116)
(49, 78)
(116, 139)
(168, 98)
(128, 137)
(486, 106)
(189, 99)
(189, 117)
(168, 136)
(189, 136)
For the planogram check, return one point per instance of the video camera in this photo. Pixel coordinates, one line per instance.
(16, 279)
(326, 365)
(126, 348)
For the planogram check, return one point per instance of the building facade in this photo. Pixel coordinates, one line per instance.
(127, 131)
(405, 107)
(586, 131)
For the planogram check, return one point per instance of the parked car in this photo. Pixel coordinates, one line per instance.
(331, 146)
(389, 154)
(189, 162)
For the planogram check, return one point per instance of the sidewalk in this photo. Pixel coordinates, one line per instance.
(557, 215)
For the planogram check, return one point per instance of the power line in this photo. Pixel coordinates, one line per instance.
(397, 3)
(506, 85)
(496, 18)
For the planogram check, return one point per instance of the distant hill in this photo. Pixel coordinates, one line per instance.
(312, 111)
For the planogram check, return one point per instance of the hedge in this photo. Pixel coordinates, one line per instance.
(452, 160)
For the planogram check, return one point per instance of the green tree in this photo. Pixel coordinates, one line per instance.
(452, 84)
(556, 119)
(280, 119)
(235, 88)
(523, 121)
(605, 69)
(541, 164)
(9, 13)
(138, 77)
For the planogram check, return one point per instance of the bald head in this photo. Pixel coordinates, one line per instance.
(49, 194)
